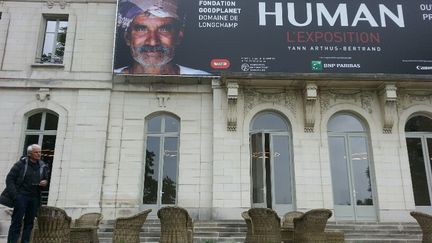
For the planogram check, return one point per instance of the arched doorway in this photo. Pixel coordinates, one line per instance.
(41, 129)
(271, 162)
(353, 188)
(419, 145)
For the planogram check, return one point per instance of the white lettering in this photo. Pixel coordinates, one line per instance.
(277, 13)
(399, 19)
(340, 16)
(341, 12)
(291, 15)
(363, 10)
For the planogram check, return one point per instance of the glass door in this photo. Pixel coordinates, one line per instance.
(271, 172)
(352, 184)
(419, 153)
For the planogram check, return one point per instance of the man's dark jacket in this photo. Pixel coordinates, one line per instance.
(15, 179)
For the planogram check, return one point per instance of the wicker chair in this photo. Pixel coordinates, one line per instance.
(84, 229)
(425, 222)
(311, 225)
(53, 226)
(287, 229)
(248, 221)
(176, 225)
(127, 229)
(288, 218)
(265, 225)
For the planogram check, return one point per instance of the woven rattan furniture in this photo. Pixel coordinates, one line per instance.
(176, 225)
(425, 222)
(127, 229)
(311, 225)
(265, 225)
(248, 222)
(84, 229)
(288, 218)
(53, 226)
(287, 229)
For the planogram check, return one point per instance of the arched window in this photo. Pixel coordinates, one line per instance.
(419, 145)
(161, 163)
(41, 129)
(271, 162)
(350, 167)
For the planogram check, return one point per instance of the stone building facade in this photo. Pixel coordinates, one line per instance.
(285, 142)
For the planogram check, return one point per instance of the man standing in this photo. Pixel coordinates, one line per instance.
(153, 31)
(23, 183)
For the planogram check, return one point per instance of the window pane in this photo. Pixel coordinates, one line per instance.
(54, 42)
(169, 183)
(345, 123)
(49, 43)
(257, 168)
(154, 125)
(361, 171)
(419, 124)
(269, 121)
(51, 121)
(339, 169)
(51, 26)
(34, 122)
(418, 172)
(63, 26)
(171, 124)
(281, 158)
(48, 145)
(151, 170)
(29, 140)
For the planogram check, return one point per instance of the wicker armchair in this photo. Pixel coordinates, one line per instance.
(176, 225)
(311, 225)
(287, 229)
(265, 225)
(127, 229)
(425, 222)
(288, 218)
(84, 229)
(248, 221)
(53, 226)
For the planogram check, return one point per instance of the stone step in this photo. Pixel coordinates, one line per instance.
(234, 231)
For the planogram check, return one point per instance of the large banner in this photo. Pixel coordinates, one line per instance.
(211, 37)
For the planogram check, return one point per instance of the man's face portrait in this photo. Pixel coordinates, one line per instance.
(153, 40)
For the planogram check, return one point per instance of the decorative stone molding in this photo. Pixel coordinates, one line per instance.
(310, 96)
(50, 3)
(285, 98)
(62, 4)
(389, 99)
(43, 94)
(162, 99)
(330, 98)
(408, 98)
(216, 83)
(232, 95)
(366, 100)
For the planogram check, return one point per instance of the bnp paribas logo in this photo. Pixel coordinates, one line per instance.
(316, 66)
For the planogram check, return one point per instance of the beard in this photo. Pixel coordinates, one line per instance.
(152, 56)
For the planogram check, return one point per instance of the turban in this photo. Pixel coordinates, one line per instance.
(128, 9)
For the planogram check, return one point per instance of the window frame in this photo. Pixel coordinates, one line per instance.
(42, 37)
(162, 135)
